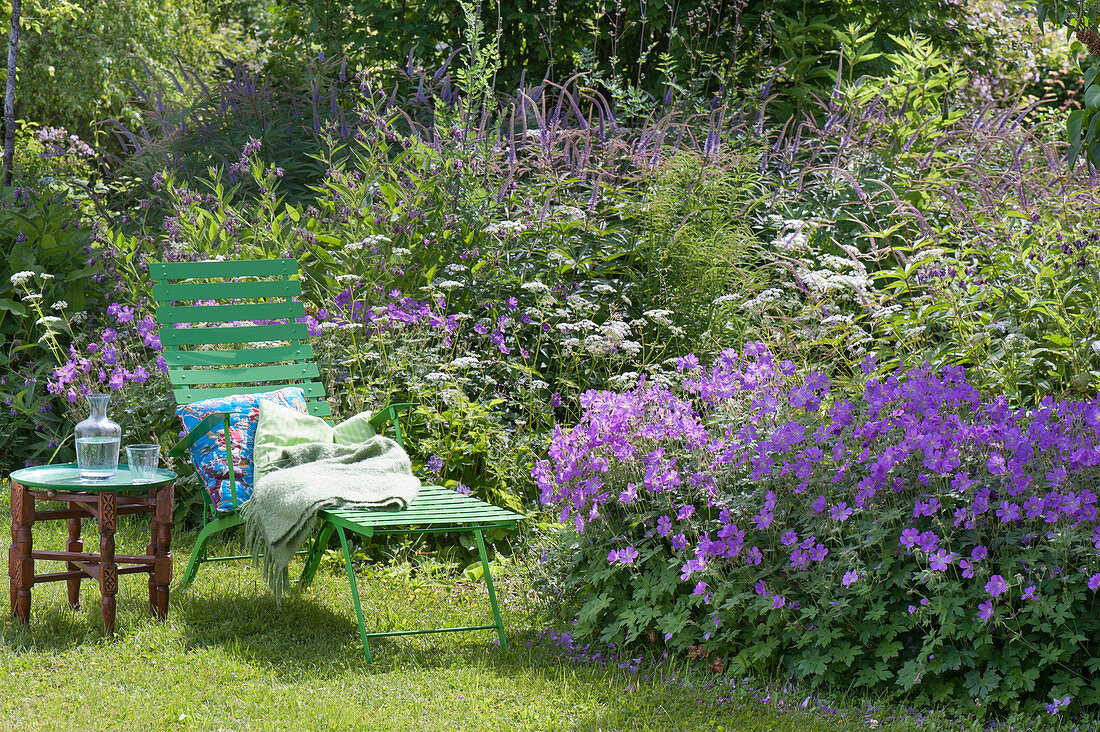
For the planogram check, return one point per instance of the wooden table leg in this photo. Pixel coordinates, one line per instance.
(20, 561)
(75, 545)
(13, 552)
(160, 547)
(108, 570)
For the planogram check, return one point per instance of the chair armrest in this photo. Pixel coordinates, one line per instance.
(208, 423)
(389, 414)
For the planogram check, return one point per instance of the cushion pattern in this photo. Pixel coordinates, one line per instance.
(208, 452)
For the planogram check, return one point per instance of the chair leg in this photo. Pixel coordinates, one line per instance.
(198, 554)
(354, 592)
(492, 592)
(317, 551)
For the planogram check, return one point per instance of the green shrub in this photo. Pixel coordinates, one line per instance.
(1020, 316)
(40, 236)
(913, 539)
(696, 218)
(76, 65)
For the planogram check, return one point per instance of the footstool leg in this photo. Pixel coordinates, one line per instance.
(20, 561)
(108, 570)
(75, 545)
(492, 592)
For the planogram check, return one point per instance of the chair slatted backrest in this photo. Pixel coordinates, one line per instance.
(230, 327)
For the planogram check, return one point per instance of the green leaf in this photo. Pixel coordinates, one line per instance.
(1073, 128)
(812, 664)
(592, 610)
(982, 685)
(12, 306)
(910, 674)
(1094, 152)
(888, 649)
(474, 572)
(1092, 96)
(390, 194)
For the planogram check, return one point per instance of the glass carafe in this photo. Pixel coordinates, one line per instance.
(97, 441)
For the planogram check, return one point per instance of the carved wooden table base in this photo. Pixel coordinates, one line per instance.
(104, 566)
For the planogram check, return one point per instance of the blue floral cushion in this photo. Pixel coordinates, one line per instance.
(208, 452)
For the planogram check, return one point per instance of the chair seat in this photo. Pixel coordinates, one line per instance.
(435, 508)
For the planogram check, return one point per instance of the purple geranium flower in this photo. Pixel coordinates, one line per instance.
(690, 567)
(1056, 706)
(996, 586)
(840, 512)
(622, 556)
(664, 525)
(940, 559)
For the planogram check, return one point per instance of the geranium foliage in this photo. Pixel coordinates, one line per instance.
(912, 537)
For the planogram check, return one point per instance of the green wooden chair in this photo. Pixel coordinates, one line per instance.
(242, 337)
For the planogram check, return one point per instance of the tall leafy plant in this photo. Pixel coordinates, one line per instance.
(42, 237)
(1082, 125)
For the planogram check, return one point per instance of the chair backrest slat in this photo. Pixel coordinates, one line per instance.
(226, 290)
(247, 312)
(215, 269)
(312, 389)
(281, 373)
(233, 334)
(247, 295)
(239, 357)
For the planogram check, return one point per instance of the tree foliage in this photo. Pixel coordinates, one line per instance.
(1083, 124)
(649, 49)
(75, 59)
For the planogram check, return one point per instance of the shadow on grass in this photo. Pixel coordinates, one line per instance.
(304, 634)
(55, 627)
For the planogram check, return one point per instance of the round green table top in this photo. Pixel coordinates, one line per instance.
(66, 477)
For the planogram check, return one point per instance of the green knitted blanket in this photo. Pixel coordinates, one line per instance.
(311, 477)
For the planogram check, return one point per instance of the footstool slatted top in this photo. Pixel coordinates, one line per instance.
(435, 506)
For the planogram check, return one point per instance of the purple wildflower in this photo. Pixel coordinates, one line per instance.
(840, 512)
(622, 556)
(996, 586)
(1055, 707)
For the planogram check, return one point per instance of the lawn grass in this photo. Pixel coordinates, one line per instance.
(228, 658)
